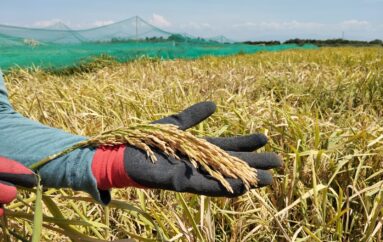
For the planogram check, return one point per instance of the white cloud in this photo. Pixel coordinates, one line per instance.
(350, 29)
(46, 23)
(53, 22)
(354, 24)
(159, 21)
(100, 23)
(306, 26)
(196, 26)
(274, 26)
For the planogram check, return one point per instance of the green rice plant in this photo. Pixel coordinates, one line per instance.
(38, 215)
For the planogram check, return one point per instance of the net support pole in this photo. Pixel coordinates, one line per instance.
(136, 28)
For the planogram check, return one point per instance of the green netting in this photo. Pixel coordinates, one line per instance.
(59, 46)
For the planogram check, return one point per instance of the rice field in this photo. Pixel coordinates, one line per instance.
(321, 109)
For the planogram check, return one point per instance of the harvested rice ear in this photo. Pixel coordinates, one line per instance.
(173, 142)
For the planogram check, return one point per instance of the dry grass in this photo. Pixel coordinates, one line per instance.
(322, 110)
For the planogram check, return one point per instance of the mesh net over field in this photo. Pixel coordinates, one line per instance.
(60, 46)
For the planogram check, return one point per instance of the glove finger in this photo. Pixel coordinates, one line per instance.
(191, 116)
(8, 192)
(181, 176)
(265, 161)
(206, 185)
(1, 210)
(16, 173)
(240, 143)
(264, 178)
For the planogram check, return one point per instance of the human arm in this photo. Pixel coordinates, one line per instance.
(97, 170)
(28, 141)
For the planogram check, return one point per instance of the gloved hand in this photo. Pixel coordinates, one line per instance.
(13, 173)
(128, 166)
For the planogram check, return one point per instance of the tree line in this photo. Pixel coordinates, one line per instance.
(327, 42)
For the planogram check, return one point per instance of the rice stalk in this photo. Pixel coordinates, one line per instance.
(174, 143)
(322, 109)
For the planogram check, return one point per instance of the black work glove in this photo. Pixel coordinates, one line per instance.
(181, 176)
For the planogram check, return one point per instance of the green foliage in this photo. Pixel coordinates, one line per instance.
(334, 42)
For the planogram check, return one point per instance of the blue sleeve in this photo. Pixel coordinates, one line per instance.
(27, 141)
(4, 102)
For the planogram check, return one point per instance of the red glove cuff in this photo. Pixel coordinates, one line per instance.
(109, 170)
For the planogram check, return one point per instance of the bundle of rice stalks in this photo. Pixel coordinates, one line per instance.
(175, 143)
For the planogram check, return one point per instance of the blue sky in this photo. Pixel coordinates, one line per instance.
(237, 20)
